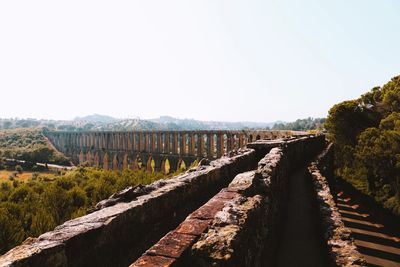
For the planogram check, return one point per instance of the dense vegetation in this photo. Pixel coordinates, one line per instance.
(366, 132)
(32, 208)
(105, 123)
(29, 145)
(301, 125)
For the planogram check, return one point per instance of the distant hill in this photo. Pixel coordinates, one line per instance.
(210, 125)
(97, 122)
(96, 118)
(301, 125)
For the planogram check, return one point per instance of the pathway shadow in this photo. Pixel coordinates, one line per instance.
(378, 245)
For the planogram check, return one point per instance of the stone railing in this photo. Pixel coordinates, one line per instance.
(239, 225)
(340, 245)
(226, 212)
(116, 235)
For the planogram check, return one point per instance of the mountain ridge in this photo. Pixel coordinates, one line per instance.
(98, 122)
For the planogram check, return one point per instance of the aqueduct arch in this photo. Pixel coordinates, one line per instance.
(132, 149)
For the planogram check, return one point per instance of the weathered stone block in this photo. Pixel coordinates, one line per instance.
(246, 183)
(172, 245)
(193, 226)
(232, 235)
(151, 260)
(208, 210)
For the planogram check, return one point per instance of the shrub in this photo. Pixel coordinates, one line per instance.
(19, 169)
(44, 202)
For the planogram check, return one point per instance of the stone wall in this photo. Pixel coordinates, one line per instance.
(340, 246)
(239, 225)
(118, 234)
(245, 232)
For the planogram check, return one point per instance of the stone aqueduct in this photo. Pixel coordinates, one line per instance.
(231, 211)
(153, 149)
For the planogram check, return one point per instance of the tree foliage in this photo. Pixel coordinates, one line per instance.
(366, 132)
(301, 125)
(29, 145)
(32, 208)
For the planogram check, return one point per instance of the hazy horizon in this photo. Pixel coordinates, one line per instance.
(259, 61)
(132, 118)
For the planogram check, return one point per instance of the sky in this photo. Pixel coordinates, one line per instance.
(215, 60)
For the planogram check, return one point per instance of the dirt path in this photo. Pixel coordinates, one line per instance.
(300, 241)
(378, 245)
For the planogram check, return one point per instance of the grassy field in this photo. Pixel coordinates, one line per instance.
(22, 177)
(29, 145)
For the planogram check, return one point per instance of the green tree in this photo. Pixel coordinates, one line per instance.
(58, 203)
(7, 124)
(366, 132)
(42, 221)
(11, 232)
(19, 169)
(42, 154)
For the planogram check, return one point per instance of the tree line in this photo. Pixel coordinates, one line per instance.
(301, 125)
(366, 132)
(37, 206)
(29, 145)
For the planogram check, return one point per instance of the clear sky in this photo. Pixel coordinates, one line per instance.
(228, 60)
